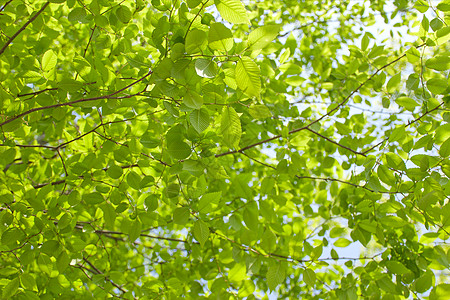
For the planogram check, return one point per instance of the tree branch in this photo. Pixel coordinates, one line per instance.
(337, 144)
(23, 27)
(323, 116)
(110, 96)
(6, 4)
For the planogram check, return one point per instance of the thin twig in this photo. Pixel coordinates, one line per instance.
(109, 96)
(23, 27)
(6, 4)
(336, 143)
(332, 111)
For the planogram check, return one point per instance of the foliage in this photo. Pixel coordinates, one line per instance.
(224, 149)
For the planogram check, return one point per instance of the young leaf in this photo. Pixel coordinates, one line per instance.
(220, 37)
(135, 230)
(259, 111)
(10, 289)
(49, 60)
(201, 232)
(124, 14)
(262, 36)
(181, 215)
(199, 119)
(193, 100)
(275, 275)
(437, 85)
(309, 277)
(195, 41)
(179, 150)
(247, 77)
(230, 127)
(205, 68)
(232, 11)
(438, 63)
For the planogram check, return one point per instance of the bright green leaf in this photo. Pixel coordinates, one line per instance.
(247, 76)
(232, 11)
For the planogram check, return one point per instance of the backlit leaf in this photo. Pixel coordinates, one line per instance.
(247, 76)
(232, 11)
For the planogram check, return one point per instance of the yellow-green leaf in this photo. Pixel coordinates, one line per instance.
(232, 11)
(247, 77)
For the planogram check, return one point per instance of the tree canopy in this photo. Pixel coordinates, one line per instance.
(224, 149)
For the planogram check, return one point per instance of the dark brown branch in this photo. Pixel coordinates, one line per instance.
(5, 5)
(424, 114)
(23, 27)
(337, 144)
(324, 259)
(41, 185)
(409, 124)
(142, 234)
(89, 41)
(332, 111)
(345, 182)
(97, 271)
(322, 178)
(37, 93)
(109, 96)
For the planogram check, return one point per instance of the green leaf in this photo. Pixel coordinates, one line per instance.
(393, 83)
(247, 288)
(232, 11)
(181, 215)
(50, 247)
(247, 77)
(309, 277)
(220, 37)
(342, 242)
(237, 273)
(199, 119)
(443, 35)
(193, 100)
(392, 221)
(201, 232)
(413, 55)
(205, 68)
(438, 63)
(196, 41)
(82, 66)
(259, 111)
(28, 282)
(230, 127)
(179, 150)
(406, 102)
(49, 60)
(421, 5)
(204, 204)
(276, 274)
(386, 175)
(444, 6)
(77, 14)
(440, 292)
(114, 172)
(262, 36)
(93, 198)
(397, 267)
(109, 214)
(124, 14)
(135, 230)
(251, 219)
(424, 282)
(134, 180)
(11, 288)
(437, 85)
(444, 150)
